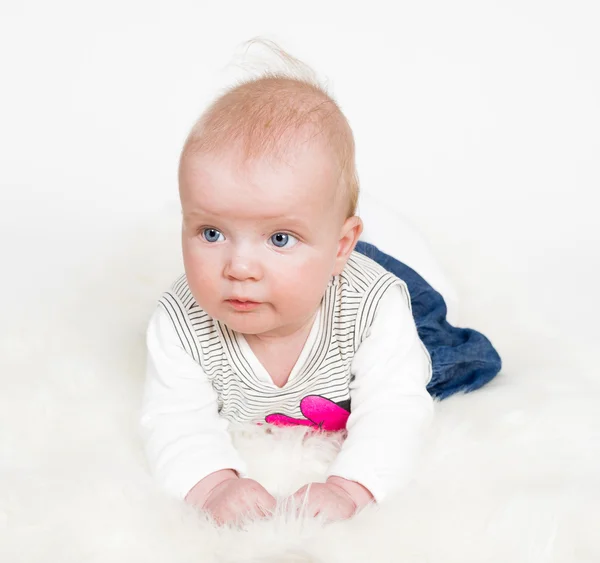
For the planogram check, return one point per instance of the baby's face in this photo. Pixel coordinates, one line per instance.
(266, 232)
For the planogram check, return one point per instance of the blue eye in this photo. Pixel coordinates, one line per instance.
(212, 235)
(280, 240)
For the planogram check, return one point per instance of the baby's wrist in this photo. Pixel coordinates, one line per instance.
(360, 495)
(200, 492)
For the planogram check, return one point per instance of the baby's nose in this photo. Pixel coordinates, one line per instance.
(243, 266)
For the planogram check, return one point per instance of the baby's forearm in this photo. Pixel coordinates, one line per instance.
(357, 492)
(200, 491)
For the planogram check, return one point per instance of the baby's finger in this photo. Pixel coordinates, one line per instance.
(305, 504)
(262, 512)
(222, 516)
(265, 509)
(267, 500)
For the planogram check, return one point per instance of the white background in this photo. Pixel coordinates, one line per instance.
(478, 121)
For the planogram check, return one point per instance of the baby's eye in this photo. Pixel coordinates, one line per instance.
(212, 235)
(280, 240)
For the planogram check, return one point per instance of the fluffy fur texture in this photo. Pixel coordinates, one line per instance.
(509, 473)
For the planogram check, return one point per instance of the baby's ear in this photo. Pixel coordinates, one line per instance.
(351, 230)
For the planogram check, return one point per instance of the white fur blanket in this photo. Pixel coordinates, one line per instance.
(509, 473)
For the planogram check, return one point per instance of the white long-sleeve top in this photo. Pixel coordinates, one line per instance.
(362, 353)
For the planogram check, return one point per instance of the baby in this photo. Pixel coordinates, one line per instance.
(278, 319)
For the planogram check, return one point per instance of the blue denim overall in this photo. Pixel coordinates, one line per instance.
(462, 359)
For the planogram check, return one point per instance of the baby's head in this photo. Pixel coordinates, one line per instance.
(268, 191)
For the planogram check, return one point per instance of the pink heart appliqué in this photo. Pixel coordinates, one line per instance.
(320, 413)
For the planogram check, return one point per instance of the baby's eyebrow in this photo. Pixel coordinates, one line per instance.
(267, 224)
(287, 222)
(197, 214)
(196, 218)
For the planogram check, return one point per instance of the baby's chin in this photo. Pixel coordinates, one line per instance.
(248, 322)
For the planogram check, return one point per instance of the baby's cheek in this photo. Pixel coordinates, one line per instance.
(203, 280)
(305, 289)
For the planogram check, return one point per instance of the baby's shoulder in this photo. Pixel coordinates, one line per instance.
(362, 287)
(362, 272)
(365, 278)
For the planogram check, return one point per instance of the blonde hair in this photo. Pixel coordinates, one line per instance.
(265, 115)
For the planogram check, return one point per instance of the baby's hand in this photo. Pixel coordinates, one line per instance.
(236, 498)
(232, 498)
(337, 499)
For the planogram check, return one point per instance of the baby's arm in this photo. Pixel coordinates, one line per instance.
(390, 402)
(186, 441)
(390, 407)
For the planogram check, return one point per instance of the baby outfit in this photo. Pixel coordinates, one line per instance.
(363, 368)
(463, 359)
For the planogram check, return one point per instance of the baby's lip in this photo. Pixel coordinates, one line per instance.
(242, 299)
(242, 305)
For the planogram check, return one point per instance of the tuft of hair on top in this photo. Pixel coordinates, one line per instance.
(265, 115)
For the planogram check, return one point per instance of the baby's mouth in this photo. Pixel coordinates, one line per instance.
(242, 305)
